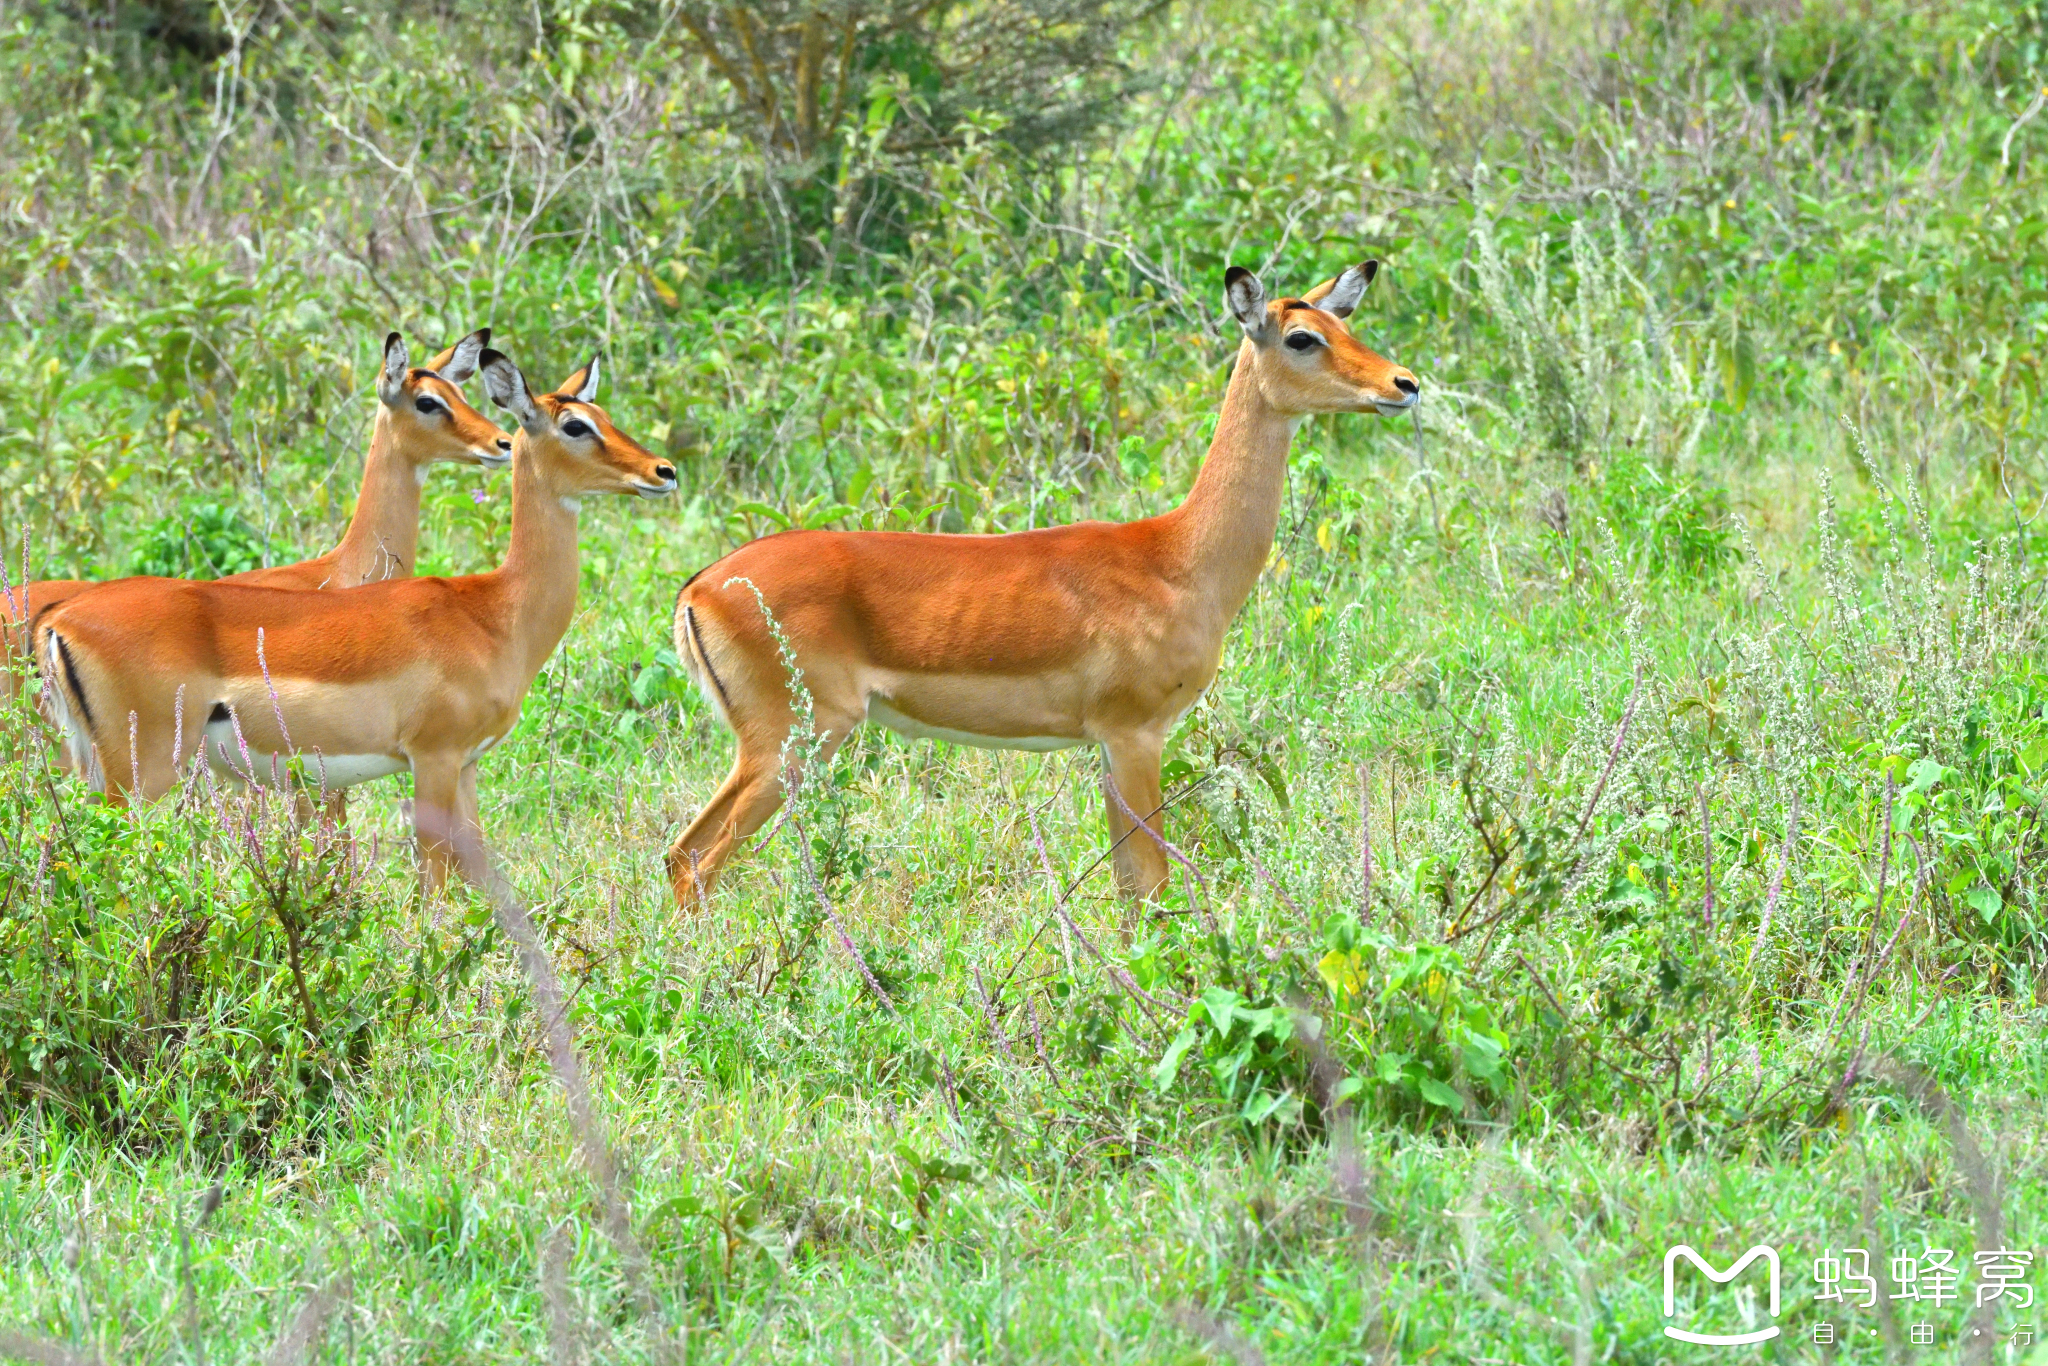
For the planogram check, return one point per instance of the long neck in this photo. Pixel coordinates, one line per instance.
(383, 537)
(1228, 520)
(541, 564)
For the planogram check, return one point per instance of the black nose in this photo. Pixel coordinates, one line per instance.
(667, 472)
(504, 443)
(1404, 384)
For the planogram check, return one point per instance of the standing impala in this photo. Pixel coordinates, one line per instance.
(422, 419)
(1099, 633)
(420, 674)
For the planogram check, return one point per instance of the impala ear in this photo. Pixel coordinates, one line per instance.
(1340, 296)
(391, 380)
(581, 386)
(507, 388)
(1247, 300)
(458, 362)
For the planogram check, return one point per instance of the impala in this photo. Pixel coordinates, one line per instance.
(1098, 633)
(421, 419)
(336, 689)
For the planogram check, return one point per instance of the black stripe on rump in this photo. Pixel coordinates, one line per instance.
(71, 680)
(704, 657)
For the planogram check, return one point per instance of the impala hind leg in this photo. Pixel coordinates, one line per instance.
(1140, 858)
(742, 805)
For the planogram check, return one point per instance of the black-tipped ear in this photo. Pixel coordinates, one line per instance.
(581, 386)
(458, 362)
(1347, 289)
(507, 388)
(1247, 300)
(391, 380)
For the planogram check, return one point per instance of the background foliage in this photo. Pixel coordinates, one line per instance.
(1623, 792)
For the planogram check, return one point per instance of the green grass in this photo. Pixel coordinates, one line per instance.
(1731, 362)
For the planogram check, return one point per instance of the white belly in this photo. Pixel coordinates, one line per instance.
(880, 711)
(327, 772)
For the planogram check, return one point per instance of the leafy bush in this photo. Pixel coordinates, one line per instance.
(1667, 521)
(202, 540)
(1403, 1023)
(1414, 1020)
(204, 975)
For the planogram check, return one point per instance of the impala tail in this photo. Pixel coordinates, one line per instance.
(70, 712)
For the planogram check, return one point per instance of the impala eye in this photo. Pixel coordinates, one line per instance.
(426, 405)
(575, 427)
(1302, 341)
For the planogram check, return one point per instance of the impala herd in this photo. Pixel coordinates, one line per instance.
(322, 675)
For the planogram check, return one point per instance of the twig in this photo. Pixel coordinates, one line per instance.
(952, 1090)
(1707, 864)
(1763, 926)
(473, 857)
(1628, 713)
(1175, 800)
(1365, 844)
(803, 844)
(1199, 1322)
(995, 1024)
(303, 1334)
(1146, 1001)
(27, 1347)
(2040, 101)
(208, 1203)
(1038, 1041)
(1866, 965)
(1166, 846)
(555, 1252)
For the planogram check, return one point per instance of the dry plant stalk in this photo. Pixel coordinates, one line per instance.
(43, 1352)
(303, 1334)
(473, 858)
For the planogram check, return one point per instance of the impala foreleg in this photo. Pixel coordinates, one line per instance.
(443, 816)
(1131, 788)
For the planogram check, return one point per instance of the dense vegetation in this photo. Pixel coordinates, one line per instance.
(1618, 821)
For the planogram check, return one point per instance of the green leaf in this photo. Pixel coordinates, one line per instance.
(1222, 1004)
(1925, 773)
(1436, 1093)
(1340, 971)
(1986, 901)
(827, 515)
(1168, 1066)
(763, 510)
(1260, 1107)
(675, 1207)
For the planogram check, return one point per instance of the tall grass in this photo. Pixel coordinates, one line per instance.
(1617, 821)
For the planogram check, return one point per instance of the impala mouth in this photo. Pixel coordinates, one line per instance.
(1388, 407)
(493, 459)
(663, 483)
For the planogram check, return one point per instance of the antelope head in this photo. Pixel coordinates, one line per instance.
(1306, 359)
(429, 417)
(576, 448)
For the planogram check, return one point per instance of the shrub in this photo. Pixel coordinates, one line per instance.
(201, 540)
(204, 974)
